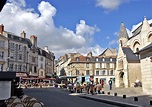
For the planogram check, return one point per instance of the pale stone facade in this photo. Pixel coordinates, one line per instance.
(20, 54)
(130, 65)
(99, 67)
(104, 66)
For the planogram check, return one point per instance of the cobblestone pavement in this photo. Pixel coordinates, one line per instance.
(126, 97)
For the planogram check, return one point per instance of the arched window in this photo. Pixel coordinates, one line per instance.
(136, 46)
(150, 38)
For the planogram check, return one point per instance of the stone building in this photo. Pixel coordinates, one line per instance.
(98, 67)
(20, 54)
(104, 65)
(81, 65)
(131, 65)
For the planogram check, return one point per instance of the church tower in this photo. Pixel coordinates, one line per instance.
(123, 35)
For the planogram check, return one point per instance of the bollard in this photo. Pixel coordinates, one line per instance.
(124, 96)
(115, 94)
(135, 98)
(108, 93)
(150, 102)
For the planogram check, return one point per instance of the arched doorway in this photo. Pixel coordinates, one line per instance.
(121, 76)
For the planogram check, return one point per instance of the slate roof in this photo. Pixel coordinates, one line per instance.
(44, 53)
(148, 47)
(14, 37)
(123, 32)
(130, 56)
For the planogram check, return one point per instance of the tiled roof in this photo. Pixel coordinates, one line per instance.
(81, 59)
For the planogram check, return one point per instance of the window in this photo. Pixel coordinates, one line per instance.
(87, 65)
(24, 67)
(103, 59)
(34, 69)
(111, 72)
(15, 67)
(11, 54)
(111, 59)
(111, 65)
(103, 72)
(20, 47)
(77, 59)
(10, 67)
(1, 67)
(103, 65)
(97, 65)
(77, 72)
(87, 72)
(41, 73)
(1, 55)
(97, 72)
(33, 59)
(97, 59)
(19, 67)
(2, 43)
(41, 58)
(20, 56)
(87, 59)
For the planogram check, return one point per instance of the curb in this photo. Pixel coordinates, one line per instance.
(121, 104)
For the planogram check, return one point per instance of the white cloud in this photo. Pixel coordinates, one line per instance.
(109, 4)
(116, 33)
(113, 42)
(16, 19)
(18, 2)
(107, 37)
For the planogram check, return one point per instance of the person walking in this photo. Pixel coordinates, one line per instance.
(110, 84)
(99, 87)
(102, 83)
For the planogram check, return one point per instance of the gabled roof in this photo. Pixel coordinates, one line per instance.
(105, 52)
(130, 56)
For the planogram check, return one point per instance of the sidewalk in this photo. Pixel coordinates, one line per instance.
(120, 100)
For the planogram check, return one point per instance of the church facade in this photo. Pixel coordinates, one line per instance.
(134, 60)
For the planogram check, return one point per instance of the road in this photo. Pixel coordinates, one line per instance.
(54, 97)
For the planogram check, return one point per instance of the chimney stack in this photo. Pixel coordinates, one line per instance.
(23, 34)
(1, 29)
(33, 39)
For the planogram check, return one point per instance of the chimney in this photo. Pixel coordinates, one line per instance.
(33, 39)
(23, 34)
(1, 29)
(46, 48)
(114, 51)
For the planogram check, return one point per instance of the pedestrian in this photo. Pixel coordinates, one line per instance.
(99, 87)
(102, 83)
(110, 84)
(88, 87)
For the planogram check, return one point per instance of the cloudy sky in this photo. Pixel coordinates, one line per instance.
(67, 26)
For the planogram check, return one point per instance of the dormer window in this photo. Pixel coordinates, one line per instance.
(97, 59)
(77, 59)
(111, 59)
(103, 59)
(87, 59)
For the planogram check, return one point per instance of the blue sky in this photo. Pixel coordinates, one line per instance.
(67, 26)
